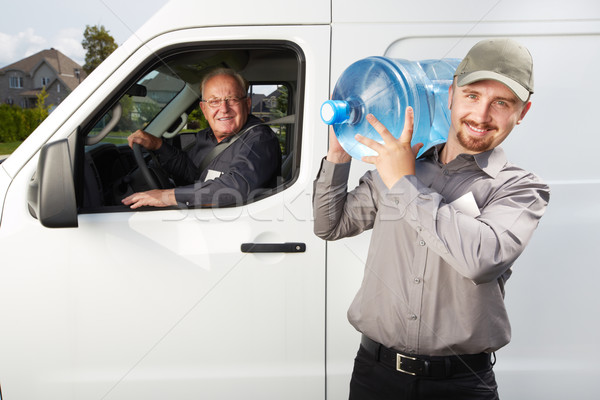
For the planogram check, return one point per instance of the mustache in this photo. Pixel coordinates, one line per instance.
(480, 126)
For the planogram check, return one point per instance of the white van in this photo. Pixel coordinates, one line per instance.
(101, 302)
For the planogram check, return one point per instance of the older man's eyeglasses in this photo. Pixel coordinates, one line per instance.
(230, 101)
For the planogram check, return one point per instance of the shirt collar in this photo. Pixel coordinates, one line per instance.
(491, 162)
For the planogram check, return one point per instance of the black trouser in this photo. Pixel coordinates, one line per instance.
(372, 380)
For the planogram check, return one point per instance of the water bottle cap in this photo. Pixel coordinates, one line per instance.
(335, 111)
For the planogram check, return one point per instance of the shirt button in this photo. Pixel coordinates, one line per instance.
(417, 280)
(412, 317)
(421, 243)
(445, 172)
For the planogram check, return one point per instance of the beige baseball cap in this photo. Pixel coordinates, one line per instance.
(502, 60)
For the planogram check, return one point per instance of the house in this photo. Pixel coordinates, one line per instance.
(22, 81)
(161, 88)
(265, 106)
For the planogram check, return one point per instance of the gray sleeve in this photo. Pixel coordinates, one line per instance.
(479, 248)
(338, 213)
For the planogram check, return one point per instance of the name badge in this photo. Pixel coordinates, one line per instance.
(467, 205)
(212, 174)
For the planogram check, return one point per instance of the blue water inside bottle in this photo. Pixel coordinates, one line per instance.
(384, 87)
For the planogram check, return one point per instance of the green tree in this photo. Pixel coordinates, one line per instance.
(98, 44)
(280, 111)
(17, 123)
(10, 117)
(125, 123)
(41, 109)
(196, 120)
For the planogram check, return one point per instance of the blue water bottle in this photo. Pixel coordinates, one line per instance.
(384, 87)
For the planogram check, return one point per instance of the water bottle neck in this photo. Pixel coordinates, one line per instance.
(341, 112)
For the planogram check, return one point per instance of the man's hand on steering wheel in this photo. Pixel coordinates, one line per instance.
(144, 139)
(149, 142)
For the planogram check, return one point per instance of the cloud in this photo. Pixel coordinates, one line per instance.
(68, 41)
(23, 44)
(15, 47)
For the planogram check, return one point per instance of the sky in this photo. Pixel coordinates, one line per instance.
(29, 26)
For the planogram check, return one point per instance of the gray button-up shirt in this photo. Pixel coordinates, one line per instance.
(442, 247)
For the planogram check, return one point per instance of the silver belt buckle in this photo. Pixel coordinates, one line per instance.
(399, 358)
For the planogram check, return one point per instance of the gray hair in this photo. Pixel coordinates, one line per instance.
(242, 82)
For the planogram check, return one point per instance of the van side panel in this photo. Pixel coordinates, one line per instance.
(163, 303)
(551, 296)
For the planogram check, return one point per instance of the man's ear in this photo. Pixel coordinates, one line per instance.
(450, 91)
(525, 110)
(202, 108)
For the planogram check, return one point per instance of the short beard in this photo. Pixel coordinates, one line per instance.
(474, 144)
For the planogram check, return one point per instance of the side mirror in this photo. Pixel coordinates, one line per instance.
(51, 195)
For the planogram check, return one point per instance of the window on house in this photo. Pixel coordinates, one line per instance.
(58, 88)
(16, 82)
(45, 81)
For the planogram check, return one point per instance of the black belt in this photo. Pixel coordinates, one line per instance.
(430, 366)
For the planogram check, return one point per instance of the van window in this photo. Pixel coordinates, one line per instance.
(162, 98)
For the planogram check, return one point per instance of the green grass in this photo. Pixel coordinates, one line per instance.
(8, 148)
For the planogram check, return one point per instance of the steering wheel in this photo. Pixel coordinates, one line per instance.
(145, 171)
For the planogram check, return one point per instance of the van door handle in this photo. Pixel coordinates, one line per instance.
(288, 247)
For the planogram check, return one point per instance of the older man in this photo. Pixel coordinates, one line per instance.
(446, 230)
(251, 160)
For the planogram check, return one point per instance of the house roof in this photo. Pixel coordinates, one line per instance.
(162, 82)
(62, 65)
